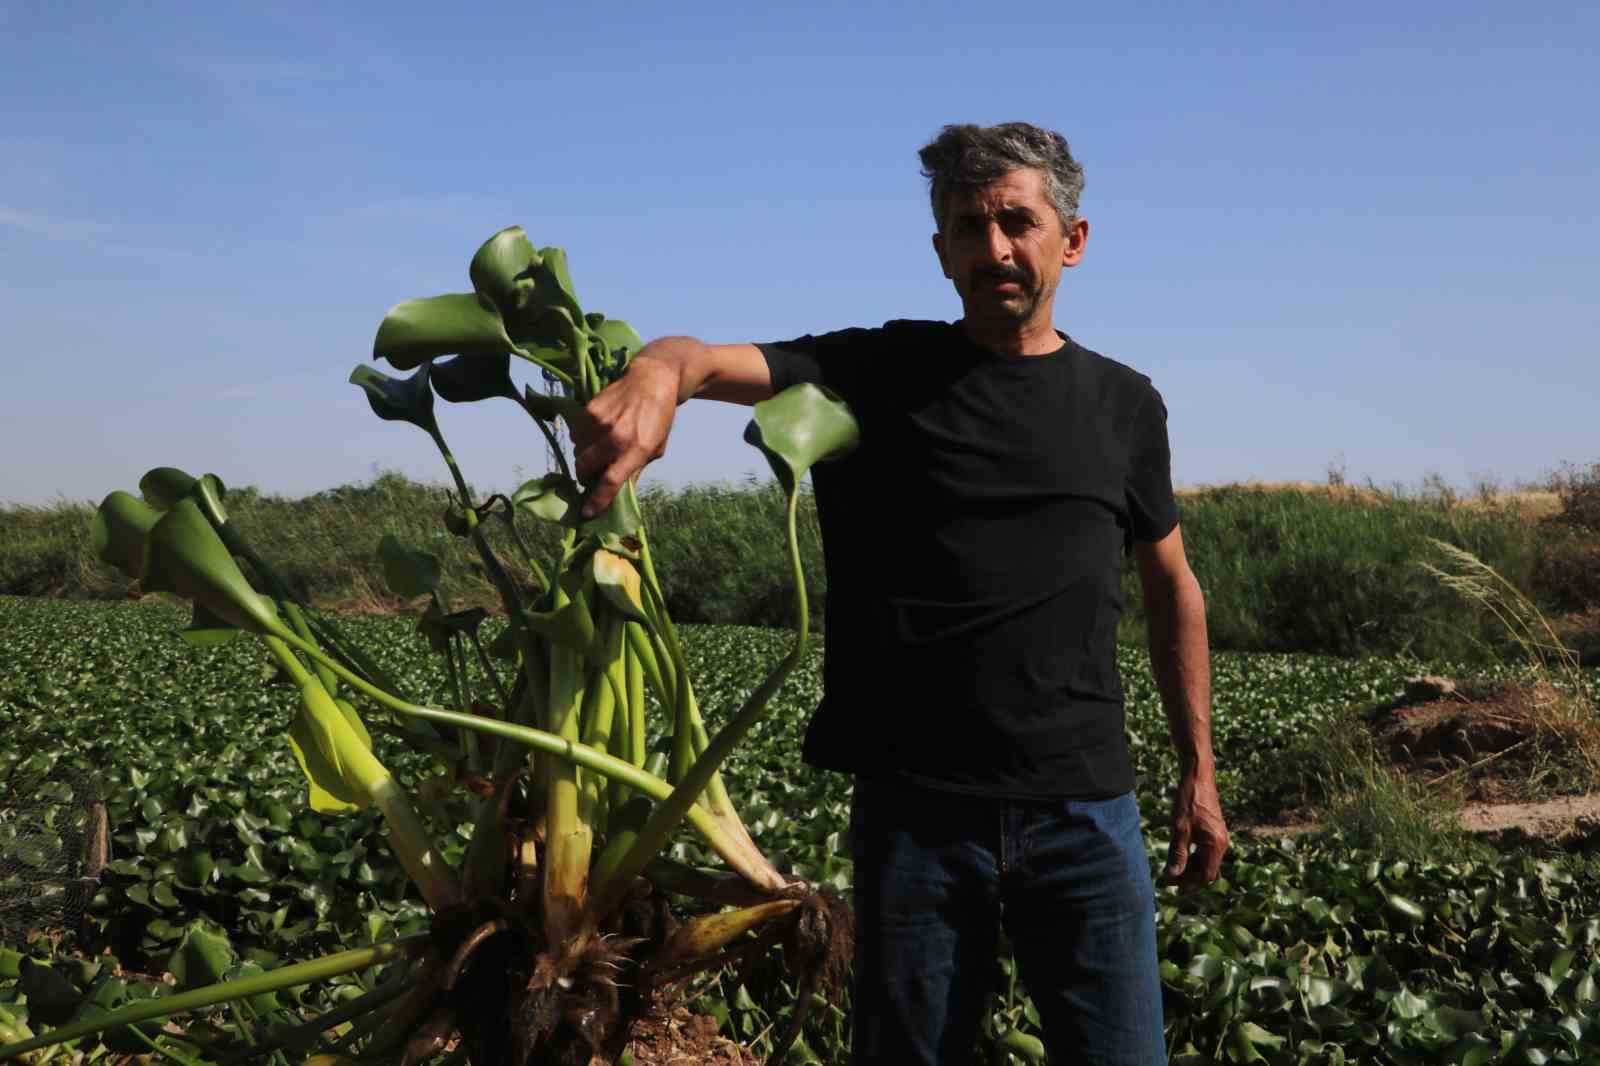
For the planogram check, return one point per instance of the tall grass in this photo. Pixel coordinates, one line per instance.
(1568, 716)
(1282, 570)
(1288, 570)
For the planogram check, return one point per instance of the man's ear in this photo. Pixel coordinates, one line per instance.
(938, 250)
(1077, 236)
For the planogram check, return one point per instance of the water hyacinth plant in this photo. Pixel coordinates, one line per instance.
(553, 934)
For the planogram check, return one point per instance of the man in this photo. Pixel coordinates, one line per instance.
(973, 547)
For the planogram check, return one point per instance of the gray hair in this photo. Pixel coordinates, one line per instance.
(965, 157)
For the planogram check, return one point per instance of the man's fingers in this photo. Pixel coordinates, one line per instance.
(581, 423)
(590, 461)
(619, 473)
(1205, 865)
(1178, 853)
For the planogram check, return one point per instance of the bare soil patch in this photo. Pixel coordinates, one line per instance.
(681, 1038)
(1489, 742)
(1499, 749)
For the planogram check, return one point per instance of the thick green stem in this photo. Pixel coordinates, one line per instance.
(657, 669)
(408, 834)
(634, 777)
(568, 836)
(688, 731)
(600, 710)
(297, 620)
(628, 734)
(653, 837)
(303, 973)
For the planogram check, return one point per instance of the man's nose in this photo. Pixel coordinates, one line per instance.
(996, 244)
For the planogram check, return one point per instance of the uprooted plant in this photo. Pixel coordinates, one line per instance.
(554, 933)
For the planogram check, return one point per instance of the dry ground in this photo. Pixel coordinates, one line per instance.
(1502, 751)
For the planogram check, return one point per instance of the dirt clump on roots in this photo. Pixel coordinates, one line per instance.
(678, 1037)
(1489, 741)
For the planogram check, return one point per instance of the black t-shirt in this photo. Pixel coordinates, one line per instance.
(973, 549)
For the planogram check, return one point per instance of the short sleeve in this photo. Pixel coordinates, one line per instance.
(1152, 508)
(832, 360)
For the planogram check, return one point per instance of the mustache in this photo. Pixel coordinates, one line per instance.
(1001, 273)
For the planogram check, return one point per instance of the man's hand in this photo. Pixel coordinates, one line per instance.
(624, 427)
(1197, 821)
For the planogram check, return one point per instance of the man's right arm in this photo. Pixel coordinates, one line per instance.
(627, 424)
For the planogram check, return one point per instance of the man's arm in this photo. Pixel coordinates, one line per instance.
(1176, 611)
(627, 424)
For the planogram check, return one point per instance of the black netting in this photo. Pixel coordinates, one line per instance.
(54, 843)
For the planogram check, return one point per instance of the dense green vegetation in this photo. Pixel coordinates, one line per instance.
(1282, 570)
(1319, 951)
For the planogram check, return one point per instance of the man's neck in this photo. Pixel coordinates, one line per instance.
(1033, 337)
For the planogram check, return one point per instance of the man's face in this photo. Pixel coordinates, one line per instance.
(1004, 248)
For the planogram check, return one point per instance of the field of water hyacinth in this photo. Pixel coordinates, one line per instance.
(1313, 949)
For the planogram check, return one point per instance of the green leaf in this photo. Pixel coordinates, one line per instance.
(1407, 1004)
(553, 335)
(196, 867)
(408, 573)
(1405, 907)
(619, 337)
(206, 630)
(469, 378)
(503, 271)
(1023, 1045)
(1474, 1050)
(618, 581)
(121, 524)
(184, 555)
(164, 486)
(436, 626)
(551, 498)
(1247, 1040)
(416, 331)
(570, 625)
(1455, 1022)
(325, 735)
(398, 399)
(202, 957)
(617, 528)
(51, 997)
(553, 283)
(801, 426)
(548, 408)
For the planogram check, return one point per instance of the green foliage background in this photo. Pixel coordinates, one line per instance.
(1282, 571)
(1320, 951)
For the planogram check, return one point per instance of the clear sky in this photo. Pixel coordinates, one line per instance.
(1358, 235)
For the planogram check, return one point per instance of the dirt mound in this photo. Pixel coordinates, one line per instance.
(681, 1038)
(1495, 741)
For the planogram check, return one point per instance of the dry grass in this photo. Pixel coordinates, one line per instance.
(1567, 713)
(1531, 503)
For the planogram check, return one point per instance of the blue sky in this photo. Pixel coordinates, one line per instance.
(1353, 235)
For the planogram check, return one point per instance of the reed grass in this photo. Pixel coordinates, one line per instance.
(1283, 569)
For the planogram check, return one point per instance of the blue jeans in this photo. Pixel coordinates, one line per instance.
(938, 874)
